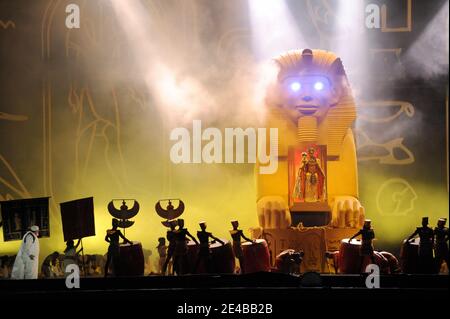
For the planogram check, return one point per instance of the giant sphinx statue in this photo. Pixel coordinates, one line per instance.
(313, 108)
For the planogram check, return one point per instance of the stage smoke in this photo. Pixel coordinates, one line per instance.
(273, 29)
(427, 58)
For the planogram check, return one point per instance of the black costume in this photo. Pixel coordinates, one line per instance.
(204, 251)
(441, 247)
(426, 260)
(181, 250)
(112, 237)
(236, 235)
(367, 236)
(170, 250)
(366, 249)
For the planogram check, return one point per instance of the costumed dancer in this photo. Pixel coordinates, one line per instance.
(426, 235)
(237, 234)
(441, 246)
(27, 259)
(289, 261)
(71, 254)
(112, 237)
(162, 252)
(172, 224)
(367, 236)
(204, 253)
(49, 268)
(181, 248)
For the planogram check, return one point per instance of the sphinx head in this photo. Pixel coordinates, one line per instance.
(309, 83)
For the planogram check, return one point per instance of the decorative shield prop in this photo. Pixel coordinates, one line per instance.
(124, 213)
(170, 212)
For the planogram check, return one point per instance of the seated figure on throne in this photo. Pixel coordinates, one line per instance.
(310, 181)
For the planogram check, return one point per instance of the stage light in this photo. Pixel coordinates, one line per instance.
(273, 28)
(429, 52)
(180, 95)
(318, 86)
(350, 42)
(295, 86)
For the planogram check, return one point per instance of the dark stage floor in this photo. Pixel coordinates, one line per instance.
(258, 287)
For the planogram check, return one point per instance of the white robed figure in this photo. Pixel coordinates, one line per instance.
(27, 259)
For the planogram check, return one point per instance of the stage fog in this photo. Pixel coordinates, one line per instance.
(88, 111)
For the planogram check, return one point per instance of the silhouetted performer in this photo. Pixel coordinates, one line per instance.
(172, 243)
(237, 234)
(71, 254)
(204, 253)
(48, 267)
(162, 252)
(289, 261)
(112, 237)
(334, 257)
(426, 235)
(367, 236)
(181, 248)
(441, 246)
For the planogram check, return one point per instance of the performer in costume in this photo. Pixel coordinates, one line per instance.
(162, 252)
(426, 235)
(236, 235)
(112, 237)
(172, 243)
(71, 254)
(27, 259)
(50, 266)
(441, 246)
(367, 236)
(204, 253)
(309, 185)
(181, 248)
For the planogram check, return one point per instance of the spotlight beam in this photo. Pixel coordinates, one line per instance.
(273, 28)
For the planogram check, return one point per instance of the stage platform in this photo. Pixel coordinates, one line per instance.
(257, 287)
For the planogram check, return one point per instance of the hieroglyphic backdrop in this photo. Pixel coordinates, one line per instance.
(77, 117)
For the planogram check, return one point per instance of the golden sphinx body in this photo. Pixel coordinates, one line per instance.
(313, 108)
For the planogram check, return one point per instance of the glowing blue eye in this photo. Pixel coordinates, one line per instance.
(295, 86)
(318, 86)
